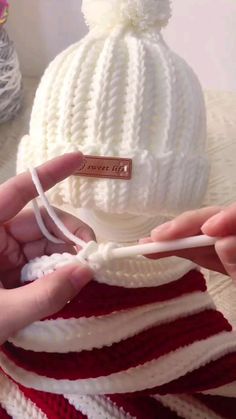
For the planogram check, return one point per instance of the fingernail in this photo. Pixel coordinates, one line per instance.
(80, 277)
(78, 153)
(213, 221)
(162, 228)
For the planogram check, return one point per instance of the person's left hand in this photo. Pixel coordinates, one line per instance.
(21, 241)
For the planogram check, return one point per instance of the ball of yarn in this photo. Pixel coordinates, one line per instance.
(10, 79)
(142, 14)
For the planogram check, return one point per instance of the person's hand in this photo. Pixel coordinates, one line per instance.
(21, 241)
(213, 222)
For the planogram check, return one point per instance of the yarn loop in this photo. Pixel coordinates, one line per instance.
(141, 14)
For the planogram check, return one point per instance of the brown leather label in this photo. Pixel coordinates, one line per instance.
(106, 167)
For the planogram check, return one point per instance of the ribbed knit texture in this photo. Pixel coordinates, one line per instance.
(123, 92)
(144, 339)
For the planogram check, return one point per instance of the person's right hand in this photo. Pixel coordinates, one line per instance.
(213, 222)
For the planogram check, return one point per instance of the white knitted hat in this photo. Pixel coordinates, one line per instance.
(121, 92)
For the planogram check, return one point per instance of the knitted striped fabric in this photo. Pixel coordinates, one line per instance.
(114, 352)
(144, 339)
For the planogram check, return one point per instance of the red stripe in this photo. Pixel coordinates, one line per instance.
(3, 413)
(213, 375)
(53, 405)
(144, 347)
(143, 407)
(88, 303)
(210, 376)
(223, 406)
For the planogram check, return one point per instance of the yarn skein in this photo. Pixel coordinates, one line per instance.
(10, 79)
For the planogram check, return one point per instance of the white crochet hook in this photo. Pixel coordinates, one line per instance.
(162, 247)
(119, 252)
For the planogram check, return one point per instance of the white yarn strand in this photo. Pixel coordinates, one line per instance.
(120, 252)
(93, 254)
(51, 211)
(10, 79)
(42, 225)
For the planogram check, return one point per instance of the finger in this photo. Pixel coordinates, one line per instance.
(222, 224)
(21, 307)
(18, 191)
(185, 253)
(24, 227)
(226, 250)
(205, 257)
(43, 247)
(186, 225)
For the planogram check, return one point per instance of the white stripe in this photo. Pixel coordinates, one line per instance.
(129, 273)
(95, 407)
(187, 407)
(154, 373)
(15, 403)
(228, 390)
(140, 272)
(69, 335)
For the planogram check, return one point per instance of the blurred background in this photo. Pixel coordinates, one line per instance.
(202, 31)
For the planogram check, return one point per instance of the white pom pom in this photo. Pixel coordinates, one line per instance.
(143, 14)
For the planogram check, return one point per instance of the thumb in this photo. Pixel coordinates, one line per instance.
(42, 298)
(226, 250)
